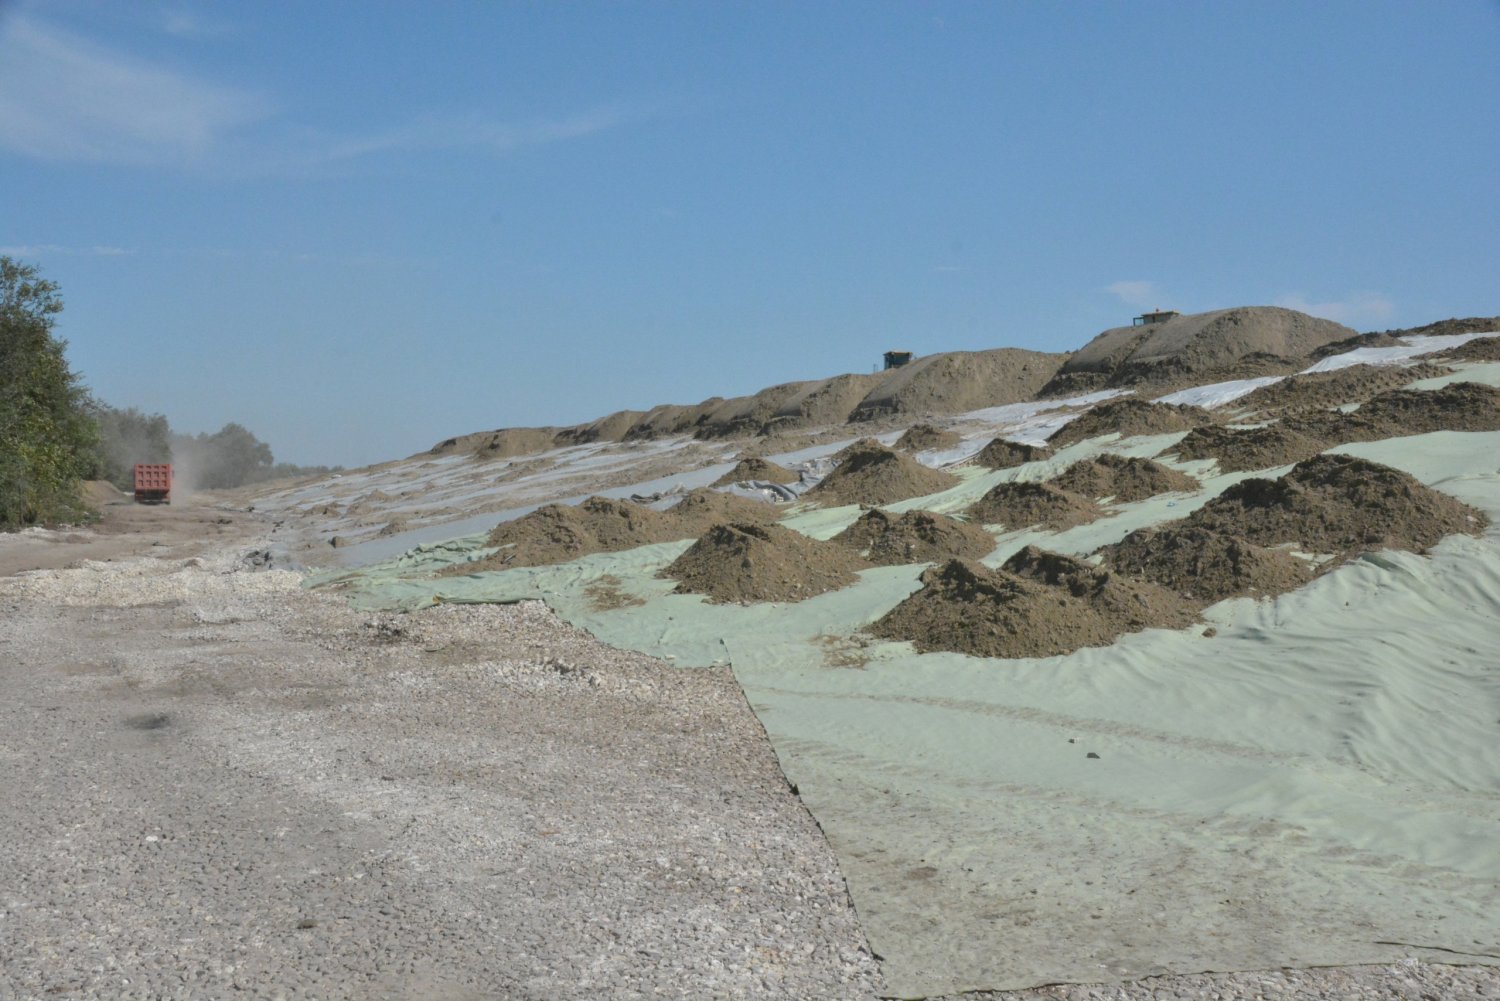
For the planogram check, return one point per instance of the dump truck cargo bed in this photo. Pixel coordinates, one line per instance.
(153, 483)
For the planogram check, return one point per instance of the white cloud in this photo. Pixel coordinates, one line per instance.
(1354, 310)
(184, 23)
(64, 98)
(1141, 295)
(55, 250)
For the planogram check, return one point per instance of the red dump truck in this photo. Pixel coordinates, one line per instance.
(153, 483)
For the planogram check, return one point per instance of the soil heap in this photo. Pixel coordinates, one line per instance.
(1125, 480)
(922, 437)
(1039, 604)
(869, 473)
(1354, 384)
(750, 563)
(1249, 448)
(1480, 349)
(1198, 346)
(703, 507)
(1129, 417)
(755, 468)
(557, 533)
(958, 381)
(1022, 505)
(1459, 406)
(1338, 504)
(1205, 566)
(1002, 454)
(914, 537)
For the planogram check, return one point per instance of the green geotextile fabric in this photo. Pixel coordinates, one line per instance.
(1316, 784)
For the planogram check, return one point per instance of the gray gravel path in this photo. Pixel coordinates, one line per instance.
(214, 784)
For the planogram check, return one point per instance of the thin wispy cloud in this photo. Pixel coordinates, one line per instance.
(1357, 309)
(184, 23)
(56, 250)
(65, 99)
(1141, 295)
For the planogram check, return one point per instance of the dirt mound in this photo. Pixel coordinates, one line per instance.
(613, 427)
(830, 401)
(957, 381)
(869, 473)
(557, 533)
(921, 437)
(1338, 504)
(1126, 480)
(1022, 505)
(1480, 349)
(914, 537)
(700, 509)
(1039, 604)
(673, 418)
(756, 468)
(1249, 448)
(1458, 406)
(1002, 454)
(97, 493)
(744, 415)
(749, 563)
(1129, 417)
(1207, 566)
(1196, 344)
(1354, 384)
(1347, 344)
(502, 444)
(1453, 325)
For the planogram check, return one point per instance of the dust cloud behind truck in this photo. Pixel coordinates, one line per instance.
(153, 483)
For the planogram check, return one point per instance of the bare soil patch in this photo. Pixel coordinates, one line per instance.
(869, 473)
(1249, 448)
(1039, 604)
(749, 563)
(1022, 505)
(1343, 386)
(1003, 454)
(1207, 566)
(914, 537)
(1126, 480)
(756, 468)
(1480, 349)
(1338, 504)
(921, 437)
(1130, 417)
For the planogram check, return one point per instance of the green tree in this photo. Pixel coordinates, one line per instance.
(47, 438)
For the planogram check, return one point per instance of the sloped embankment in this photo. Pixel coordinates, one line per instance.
(1038, 604)
(914, 537)
(1129, 417)
(1124, 480)
(958, 381)
(1024, 505)
(753, 563)
(869, 473)
(1003, 454)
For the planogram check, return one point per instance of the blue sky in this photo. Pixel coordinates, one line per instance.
(358, 228)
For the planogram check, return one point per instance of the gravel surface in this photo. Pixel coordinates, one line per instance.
(214, 784)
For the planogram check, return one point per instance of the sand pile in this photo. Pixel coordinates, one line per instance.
(1481, 349)
(1354, 384)
(958, 381)
(1125, 480)
(557, 533)
(830, 401)
(1338, 504)
(1206, 566)
(756, 468)
(749, 563)
(1249, 448)
(1002, 454)
(501, 444)
(1459, 406)
(1195, 346)
(914, 537)
(922, 437)
(869, 473)
(743, 415)
(1129, 417)
(1039, 604)
(703, 507)
(1023, 505)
